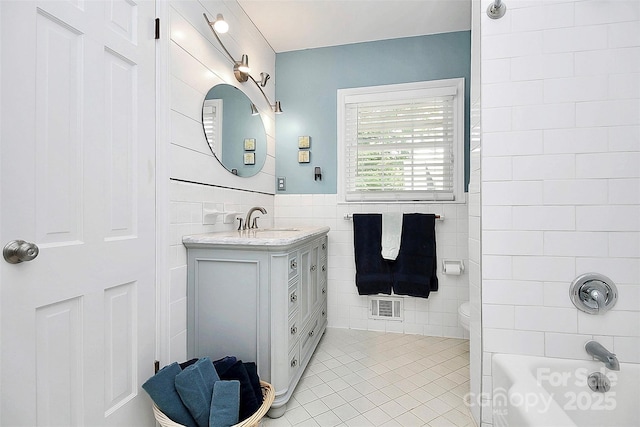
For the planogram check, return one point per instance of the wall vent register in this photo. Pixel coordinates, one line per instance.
(385, 308)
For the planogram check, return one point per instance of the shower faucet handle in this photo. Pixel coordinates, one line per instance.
(593, 293)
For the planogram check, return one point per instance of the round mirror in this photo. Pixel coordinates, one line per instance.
(234, 130)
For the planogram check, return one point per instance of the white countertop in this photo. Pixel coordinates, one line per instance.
(256, 238)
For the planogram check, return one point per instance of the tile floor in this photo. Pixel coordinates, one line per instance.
(362, 378)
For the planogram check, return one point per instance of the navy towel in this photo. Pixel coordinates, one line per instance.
(225, 363)
(161, 387)
(252, 371)
(188, 363)
(414, 271)
(373, 273)
(248, 402)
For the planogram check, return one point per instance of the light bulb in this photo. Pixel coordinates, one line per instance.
(220, 25)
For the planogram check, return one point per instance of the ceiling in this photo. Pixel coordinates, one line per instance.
(302, 24)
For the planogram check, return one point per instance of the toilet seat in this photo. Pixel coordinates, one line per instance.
(464, 314)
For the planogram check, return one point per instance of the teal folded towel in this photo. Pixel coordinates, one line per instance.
(161, 387)
(195, 387)
(225, 404)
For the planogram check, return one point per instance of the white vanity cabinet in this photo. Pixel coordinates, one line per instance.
(260, 296)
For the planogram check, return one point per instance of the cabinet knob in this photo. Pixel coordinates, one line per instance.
(311, 333)
(324, 291)
(294, 362)
(294, 264)
(314, 268)
(324, 313)
(294, 297)
(294, 330)
(324, 246)
(324, 268)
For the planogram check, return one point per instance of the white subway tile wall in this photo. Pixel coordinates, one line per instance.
(435, 316)
(187, 201)
(561, 123)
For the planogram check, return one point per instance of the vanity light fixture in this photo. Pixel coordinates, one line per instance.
(241, 68)
(254, 110)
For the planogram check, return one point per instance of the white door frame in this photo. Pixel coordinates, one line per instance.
(163, 132)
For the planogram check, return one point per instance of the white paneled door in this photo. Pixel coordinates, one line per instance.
(77, 180)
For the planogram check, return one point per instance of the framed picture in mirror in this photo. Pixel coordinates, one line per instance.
(304, 141)
(249, 144)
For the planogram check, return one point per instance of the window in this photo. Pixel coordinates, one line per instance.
(401, 142)
(212, 123)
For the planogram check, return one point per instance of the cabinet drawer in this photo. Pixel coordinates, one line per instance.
(294, 297)
(294, 329)
(309, 335)
(294, 361)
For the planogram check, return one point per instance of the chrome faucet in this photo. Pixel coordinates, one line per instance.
(247, 220)
(598, 351)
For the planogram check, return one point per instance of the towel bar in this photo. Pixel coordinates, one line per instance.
(350, 217)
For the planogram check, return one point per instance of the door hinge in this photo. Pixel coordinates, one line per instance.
(157, 28)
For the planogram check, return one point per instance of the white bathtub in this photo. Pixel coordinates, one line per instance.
(543, 391)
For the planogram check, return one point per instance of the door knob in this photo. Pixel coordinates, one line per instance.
(17, 251)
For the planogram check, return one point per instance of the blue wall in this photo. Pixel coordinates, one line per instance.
(306, 85)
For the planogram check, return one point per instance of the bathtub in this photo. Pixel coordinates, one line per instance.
(543, 391)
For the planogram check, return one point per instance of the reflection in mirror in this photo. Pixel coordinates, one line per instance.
(236, 137)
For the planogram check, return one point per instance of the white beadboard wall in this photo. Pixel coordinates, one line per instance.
(435, 316)
(197, 63)
(560, 176)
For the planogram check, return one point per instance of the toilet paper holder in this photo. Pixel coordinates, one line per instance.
(452, 266)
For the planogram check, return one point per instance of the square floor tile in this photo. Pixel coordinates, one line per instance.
(349, 394)
(346, 412)
(296, 415)
(333, 401)
(393, 409)
(377, 416)
(316, 408)
(425, 413)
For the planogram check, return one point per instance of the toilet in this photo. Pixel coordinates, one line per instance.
(464, 314)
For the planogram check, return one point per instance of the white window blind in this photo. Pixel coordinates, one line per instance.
(401, 147)
(212, 123)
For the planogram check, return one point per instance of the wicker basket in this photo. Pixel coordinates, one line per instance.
(268, 394)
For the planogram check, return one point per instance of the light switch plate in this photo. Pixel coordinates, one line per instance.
(282, 183)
